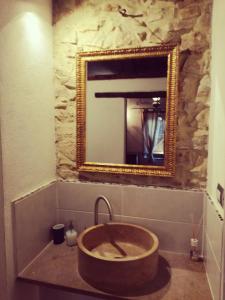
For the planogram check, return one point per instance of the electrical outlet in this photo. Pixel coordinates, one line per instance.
(220, 194)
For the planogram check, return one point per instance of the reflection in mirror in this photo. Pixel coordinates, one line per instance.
(126, 110)
(128, 99)
(145, 128)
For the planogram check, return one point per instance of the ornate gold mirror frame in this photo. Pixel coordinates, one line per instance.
(168, 168)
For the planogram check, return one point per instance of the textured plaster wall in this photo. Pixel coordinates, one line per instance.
(216, 161)
(96, 25)
(27, 120)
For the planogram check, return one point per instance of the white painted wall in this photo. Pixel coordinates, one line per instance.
(105, 130)
(2, 237)
(26, 96)
(134, 125)
(216, 158)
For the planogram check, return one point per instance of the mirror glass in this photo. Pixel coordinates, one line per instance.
(124, 112)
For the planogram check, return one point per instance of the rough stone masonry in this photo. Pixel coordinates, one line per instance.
(85, 25)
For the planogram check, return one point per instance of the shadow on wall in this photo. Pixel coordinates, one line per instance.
(62, 8)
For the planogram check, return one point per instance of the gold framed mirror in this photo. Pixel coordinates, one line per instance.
(126, 110)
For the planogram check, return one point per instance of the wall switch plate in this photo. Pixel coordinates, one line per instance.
(220, 194)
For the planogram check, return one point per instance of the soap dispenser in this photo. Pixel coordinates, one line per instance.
(71, 235)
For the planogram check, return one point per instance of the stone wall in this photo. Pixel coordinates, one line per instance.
(95, 25)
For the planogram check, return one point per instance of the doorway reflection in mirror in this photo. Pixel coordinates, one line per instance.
(145, 127)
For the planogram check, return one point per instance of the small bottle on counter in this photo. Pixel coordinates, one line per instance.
(71, 235)
(194, 252)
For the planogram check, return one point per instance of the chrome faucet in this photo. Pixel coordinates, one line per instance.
(108, 206)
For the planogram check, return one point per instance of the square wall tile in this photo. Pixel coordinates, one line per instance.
(173, 236)
(81, 196)
(162, 204)
(214, 230)
(81, 220)
(33, 217)
(212, 270)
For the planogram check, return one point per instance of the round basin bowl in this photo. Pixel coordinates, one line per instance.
(117, 257)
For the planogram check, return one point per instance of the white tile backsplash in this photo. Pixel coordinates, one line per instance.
(173, 236)
(214, 230)
(81, 196)
(166, 211)
(81, 219)
(213, 240)
(33, 217)
(162, 204)
(212, 271)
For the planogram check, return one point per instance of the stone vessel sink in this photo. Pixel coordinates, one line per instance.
(117, 257)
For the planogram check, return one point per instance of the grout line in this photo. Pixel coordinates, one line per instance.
(160, 220)
(126, 216)
(213, 253)
(149, 187)
(75, 211)
(87, 212)
(57, 195)
(122, 201)
(215, 263)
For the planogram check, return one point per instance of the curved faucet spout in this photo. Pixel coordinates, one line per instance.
(108, 206)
